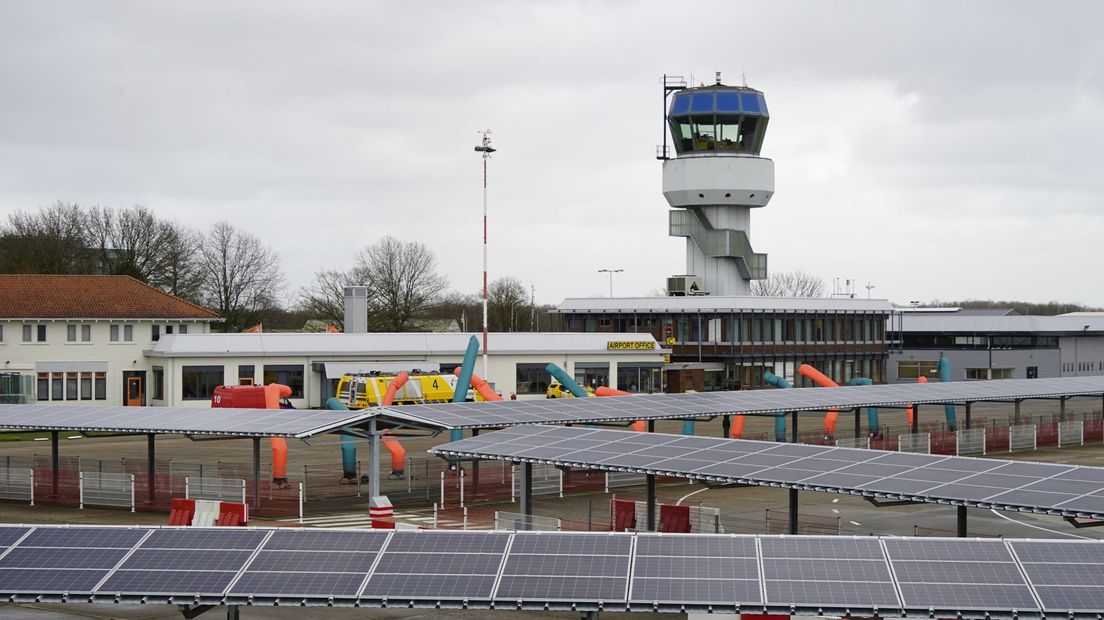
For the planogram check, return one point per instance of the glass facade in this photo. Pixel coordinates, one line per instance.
(842, 345)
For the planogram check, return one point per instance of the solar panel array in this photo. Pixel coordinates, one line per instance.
(1047, 488)
(748, 402)
(902, 577)
(177, 420)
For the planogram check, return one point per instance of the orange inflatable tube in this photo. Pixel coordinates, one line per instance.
(639, 426)
(822, 380)
(480, 386)
(398, 453)
(273, 393)
(908, 411)
(737, 426)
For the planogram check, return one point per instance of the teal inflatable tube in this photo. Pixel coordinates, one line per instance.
(463, 382)
(688, 426)
(871, 412)
(348, 444)
(565, 380)
(945, 377)
(779, 420)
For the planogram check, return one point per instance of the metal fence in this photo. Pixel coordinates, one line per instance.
(517, 521)
(970, 441)
(854, 442)
(619, 479)
(106, 489)
(17, 483)
(778, 522)
(547, 480)
(1022, 437)
(1071, 433)
(215, 489)
(914, 442)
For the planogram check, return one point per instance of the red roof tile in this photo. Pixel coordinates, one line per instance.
(35, 296)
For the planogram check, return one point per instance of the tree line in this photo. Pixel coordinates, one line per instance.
(234, 273)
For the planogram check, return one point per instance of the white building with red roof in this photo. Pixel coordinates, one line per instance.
(83, 337)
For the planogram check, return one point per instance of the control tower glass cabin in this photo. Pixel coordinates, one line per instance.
(715, 180)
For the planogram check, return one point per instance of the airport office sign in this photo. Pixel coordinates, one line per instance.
(634, 345)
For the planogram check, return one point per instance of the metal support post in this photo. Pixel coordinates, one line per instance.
(475, 467)
(793, 511)
(793, 430)
(151, 467)
(651, 499)
(1016, 413)
(962, 522)
(968, 416)
(858, 422)
(651, 426)
(256, 471)
(232, 612)
(527, 489)
(1062, 408)
(726, 426)
(55, 459)
(373, 459)
(915, 419)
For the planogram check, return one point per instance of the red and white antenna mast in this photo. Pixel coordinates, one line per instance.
(486, 149)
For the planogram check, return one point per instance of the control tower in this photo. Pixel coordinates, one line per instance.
(716, 178)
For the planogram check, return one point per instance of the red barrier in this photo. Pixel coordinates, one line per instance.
(674, 518)
(624, 514)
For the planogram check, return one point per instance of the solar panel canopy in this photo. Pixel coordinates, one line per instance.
(903, 577)
(292, 423)
(748, 402)
(1047, 488)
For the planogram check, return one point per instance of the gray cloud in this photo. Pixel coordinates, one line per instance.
(937, 149)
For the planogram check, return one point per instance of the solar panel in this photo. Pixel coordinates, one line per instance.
(947, 574)
(754, 402)
(305, 563)
(449, 565)
(565, 567)
(1067, 576)
(9, 535)
(983, 483)
(558, 570)
(178, 420)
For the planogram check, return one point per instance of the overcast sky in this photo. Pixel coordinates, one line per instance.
(935, 149)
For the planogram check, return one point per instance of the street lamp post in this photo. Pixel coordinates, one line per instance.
(610, 272)
(486, 149)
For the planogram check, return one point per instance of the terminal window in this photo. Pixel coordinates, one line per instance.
(915, 370)
(289, 375)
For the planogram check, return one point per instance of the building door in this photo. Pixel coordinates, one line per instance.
(134, 393)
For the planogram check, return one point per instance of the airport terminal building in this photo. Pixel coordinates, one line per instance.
(996, 345)
(728, 342)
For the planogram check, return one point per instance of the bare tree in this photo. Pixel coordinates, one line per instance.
(464, 308)
(181, 273)
(403, 283)
(51, 240)
(325, 298)
(789, 284)
(241, 276)
(506, 301)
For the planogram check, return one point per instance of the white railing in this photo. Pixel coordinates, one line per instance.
(519, 522)
(17, 483)
(618, 479)
(970, 441)
(215, 489)
(547, 480)
(854, 442)
(914, 442)
(1071, 433)
(1022, 437)
(106, 489)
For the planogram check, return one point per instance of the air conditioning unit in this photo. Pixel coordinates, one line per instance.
(680, 286)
